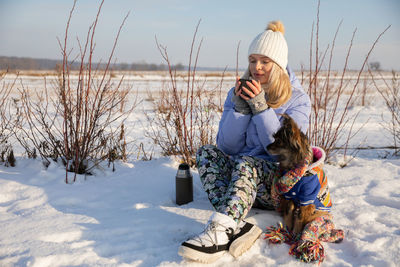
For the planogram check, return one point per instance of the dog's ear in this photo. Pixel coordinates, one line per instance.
(286, 120)
(298, 138)
(287, 127)
(293, 132)
(304, 143)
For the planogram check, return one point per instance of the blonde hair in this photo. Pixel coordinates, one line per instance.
(278, 88)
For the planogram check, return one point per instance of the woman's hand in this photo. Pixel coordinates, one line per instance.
(254, 89)
(241, 105)
(255, 97)
(237, 86)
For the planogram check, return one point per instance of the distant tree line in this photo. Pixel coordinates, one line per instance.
(24, 63)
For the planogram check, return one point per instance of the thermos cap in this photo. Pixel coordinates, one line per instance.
(183, 166)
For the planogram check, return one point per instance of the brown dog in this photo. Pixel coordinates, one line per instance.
(292, 147)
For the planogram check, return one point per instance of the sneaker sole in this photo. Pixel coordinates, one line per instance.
(195, 255)
(244, 242)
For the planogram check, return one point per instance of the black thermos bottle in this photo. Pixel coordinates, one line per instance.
(184, 185)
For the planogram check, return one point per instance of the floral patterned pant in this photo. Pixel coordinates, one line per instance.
(234, 186)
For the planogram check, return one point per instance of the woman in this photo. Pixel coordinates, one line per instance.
(235, 174)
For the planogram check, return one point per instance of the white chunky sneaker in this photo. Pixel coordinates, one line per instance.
(212, 243)
(245, 236)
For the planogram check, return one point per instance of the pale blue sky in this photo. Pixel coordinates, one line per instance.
(28, 28)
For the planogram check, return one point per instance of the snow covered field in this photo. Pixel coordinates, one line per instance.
(129, 217)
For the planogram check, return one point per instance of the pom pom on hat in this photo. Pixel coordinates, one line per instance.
(276, 26)
(271, 43)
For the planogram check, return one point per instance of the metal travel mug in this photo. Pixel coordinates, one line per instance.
(184, 185)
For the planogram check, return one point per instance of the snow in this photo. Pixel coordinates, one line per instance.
(129, 217)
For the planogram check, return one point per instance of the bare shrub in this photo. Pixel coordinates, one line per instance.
(331, 101)
(184, 119)
(80, 120)
(7, 119)
(391, 96)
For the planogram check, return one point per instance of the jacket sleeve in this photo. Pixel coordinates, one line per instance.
(267, 124)
(231, 137)
(300, 109)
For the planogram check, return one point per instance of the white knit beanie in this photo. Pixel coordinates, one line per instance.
(271, 43)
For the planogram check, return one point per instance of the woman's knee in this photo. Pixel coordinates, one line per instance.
(206, 154)
(244, 161)
(247, 167)
(205, 149)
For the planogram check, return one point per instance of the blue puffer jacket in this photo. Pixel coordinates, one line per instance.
(248, 135)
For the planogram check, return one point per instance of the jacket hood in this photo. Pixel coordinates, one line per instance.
(319, 157)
